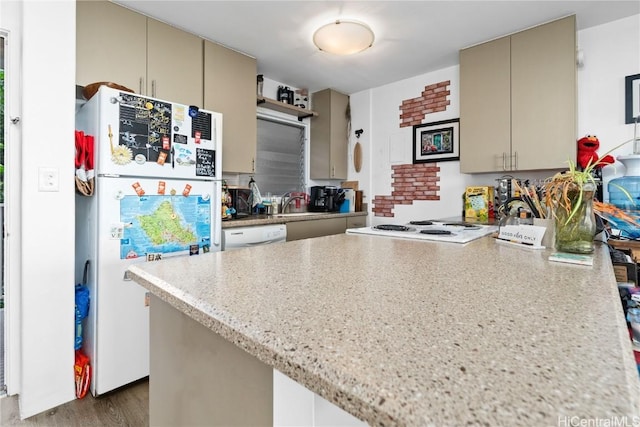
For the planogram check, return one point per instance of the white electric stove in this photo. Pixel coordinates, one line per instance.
(442, 231)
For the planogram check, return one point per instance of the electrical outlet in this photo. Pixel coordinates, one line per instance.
(48, 179)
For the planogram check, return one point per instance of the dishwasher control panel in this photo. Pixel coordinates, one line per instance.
(258, 235)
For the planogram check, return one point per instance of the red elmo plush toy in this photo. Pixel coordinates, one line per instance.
(587, 148)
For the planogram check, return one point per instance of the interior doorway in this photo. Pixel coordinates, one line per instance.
(3, 387)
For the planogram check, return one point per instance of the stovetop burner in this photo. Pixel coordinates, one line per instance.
(392, 227)
(437, 232)
(421, 222)
(466, 225)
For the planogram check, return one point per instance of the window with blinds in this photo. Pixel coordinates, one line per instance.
(280, 157)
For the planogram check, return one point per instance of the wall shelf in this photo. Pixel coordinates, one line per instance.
(272, 104)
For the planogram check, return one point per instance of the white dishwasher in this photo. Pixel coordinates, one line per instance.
(256, 235)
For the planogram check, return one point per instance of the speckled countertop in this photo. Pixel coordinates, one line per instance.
(401, 332)
(285, 218)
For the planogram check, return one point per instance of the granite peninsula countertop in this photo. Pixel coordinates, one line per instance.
(285, 218)
(401, 332)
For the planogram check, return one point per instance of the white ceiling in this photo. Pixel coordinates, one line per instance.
(412, 37)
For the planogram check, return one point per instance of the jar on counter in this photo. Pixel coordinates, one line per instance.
(525, 217)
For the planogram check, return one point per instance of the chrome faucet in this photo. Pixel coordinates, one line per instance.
(286, 200)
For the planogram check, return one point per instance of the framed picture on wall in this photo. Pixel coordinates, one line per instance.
(436, 141)
(632, 98)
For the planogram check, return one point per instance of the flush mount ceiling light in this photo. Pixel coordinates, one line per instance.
(343, 37)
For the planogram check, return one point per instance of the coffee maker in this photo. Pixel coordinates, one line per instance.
(325, 199)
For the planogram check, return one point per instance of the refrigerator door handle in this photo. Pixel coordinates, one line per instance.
(217, 218)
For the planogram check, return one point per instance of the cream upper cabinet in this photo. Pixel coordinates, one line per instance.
(118, 45)
(174, 64)
(329, 139)
(485, 107)
(518, 101)
(230, 88)
(111, 45)
(544, 95)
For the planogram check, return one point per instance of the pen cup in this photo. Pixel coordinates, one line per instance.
(549, 238)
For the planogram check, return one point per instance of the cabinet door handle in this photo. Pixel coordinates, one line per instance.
(253, 165)
(504, 161)
(153, 88)
(515, 155)
(140, 83)
(333, 171)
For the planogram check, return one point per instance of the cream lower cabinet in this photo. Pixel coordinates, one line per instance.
(230, 89)
(518, 101)
(315, 228)
(115, 44)
(323, 227)
(222, 385)
(356, 221)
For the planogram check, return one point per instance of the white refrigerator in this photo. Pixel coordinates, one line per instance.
(157, 194)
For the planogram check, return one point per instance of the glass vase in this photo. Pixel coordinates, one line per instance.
(575, 233)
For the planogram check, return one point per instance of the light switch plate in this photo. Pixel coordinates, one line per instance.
(48, 179)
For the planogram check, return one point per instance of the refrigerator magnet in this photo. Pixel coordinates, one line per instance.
(162, 158)
(140, 159)
(121, 155)
(138, 189)
(116, 231)
(194, 249)
(154, 256)
(161, 187)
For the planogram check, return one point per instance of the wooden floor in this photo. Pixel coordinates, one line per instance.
(127, 406)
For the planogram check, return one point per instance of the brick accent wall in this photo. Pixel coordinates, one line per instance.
(420, 181)
(432, 100)
(410, 182)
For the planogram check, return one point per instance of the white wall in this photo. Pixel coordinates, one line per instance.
(395, 146)
(46, 32)
(384, 143)
(611, 52)
(361, 119)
